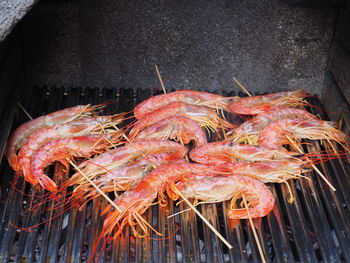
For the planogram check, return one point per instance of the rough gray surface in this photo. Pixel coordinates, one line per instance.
(12, 11)
(197, 44)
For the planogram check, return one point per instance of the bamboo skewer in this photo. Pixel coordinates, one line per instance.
(242, 87)
(97, 188)
(313, 166)
(204, 219)
(254, 230)
(24, 110)
(160, 79)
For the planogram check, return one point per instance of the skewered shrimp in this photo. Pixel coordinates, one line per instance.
(225, 151)
(115, 158)
(280, 132)
(62, 149)
(135, 202)
(19, 136)
(277, 171)
(120, 179)
(259, 104)
(248, 131)
(176, 128)
(221, 188)
(206, 117)
(192, 97)
(81, 127)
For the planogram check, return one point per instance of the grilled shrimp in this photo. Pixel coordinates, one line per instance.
(134, 203)
(249, 130)
(280, 132)
(118, 157)
(259, 104)
(225, 151)
(81, 127)
(277, 171)
(192, 97)
(19, 136)
(176, 128)
(120, 179)
(206, 117)
(221, 188)
(61, 150)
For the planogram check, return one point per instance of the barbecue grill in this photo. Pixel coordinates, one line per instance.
(45, 75)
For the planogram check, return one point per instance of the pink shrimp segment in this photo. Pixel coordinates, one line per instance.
(121, 179)
(135, 202)
(206, 117)
(277, 171)
(192, 97)
(260, 104)
(118, 157)
(281, 132)
(221, 188)
(176, 128)
(63, 149)
(19, 136)
(249, 130)
(226, 151)
(81, 127)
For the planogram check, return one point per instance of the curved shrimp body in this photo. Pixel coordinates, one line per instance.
(192, 97)
(205, 117)
(222, 188)
(115, 158)
(19, 136)
(249, 130)
(277, 171)
(282, 132)
(226, 151)
(177, 128)
(120, 179)
(81, 127)
(134, 203)
(260, 104)
(61, 150)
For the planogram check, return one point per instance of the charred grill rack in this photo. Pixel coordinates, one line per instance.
(315, 228)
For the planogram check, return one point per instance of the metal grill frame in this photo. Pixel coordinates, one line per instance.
(315, 228)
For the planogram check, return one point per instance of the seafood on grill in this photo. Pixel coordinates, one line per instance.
(228, 151)
(65, 149)
(276, 171)
(176, 128)
(192, 97)
(122, 178)
(205, 117)
(284, 132)
(260, 104)
(134, 203)
(80, 127)
(248, 131)
(114, 159)
(20, 135)
(213, 189)
(137, 200)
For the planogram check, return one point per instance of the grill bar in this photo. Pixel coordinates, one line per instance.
(316, 227)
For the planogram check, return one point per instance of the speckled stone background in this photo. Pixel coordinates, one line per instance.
(268, 45)
(11, 12)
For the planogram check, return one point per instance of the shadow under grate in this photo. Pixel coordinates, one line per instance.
(316, 227)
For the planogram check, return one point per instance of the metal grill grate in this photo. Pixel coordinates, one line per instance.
(316, 227)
